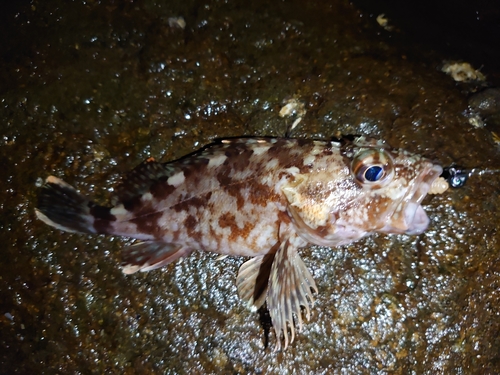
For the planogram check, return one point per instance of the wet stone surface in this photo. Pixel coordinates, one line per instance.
(90, 90)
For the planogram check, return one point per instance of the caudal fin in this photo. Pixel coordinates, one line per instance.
(61, 206)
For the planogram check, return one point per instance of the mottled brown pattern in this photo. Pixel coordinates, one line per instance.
(233, 188)
(195, 169)
(301, 142)
(224, 178)
(195, 178)
(245, 231)
(327, 152)
(240, 161)
(291, 157)
(276, 152)
(191, 225)
(196, 202)
(175, 236)
(102, 218)
(100, 212)
(261, 198)
(213, 232)
(228, 220)
(240, 200)
(161, 189)
(230, 153)
(261, 194)
(137, 181)
(282, 174)
(133, 204)
(149, 223)
(194, 172)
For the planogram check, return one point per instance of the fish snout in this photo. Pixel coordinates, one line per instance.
(409, 216)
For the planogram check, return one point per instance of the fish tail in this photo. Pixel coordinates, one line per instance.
(64, 208)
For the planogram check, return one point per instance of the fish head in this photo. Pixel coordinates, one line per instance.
(391, 185)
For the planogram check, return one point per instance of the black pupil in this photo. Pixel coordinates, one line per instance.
(374, 173)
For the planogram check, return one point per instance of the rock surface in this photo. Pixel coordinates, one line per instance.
(90, 90)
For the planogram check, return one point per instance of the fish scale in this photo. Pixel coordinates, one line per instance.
(264, 198)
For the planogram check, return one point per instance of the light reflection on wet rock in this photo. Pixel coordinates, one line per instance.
(391, 304)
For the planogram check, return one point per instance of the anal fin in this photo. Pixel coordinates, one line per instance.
(290, 285)
(150, 255)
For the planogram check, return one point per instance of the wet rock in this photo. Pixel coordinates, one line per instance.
(90, 90)
(486, 103)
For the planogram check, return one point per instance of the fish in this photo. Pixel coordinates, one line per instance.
(263, 198)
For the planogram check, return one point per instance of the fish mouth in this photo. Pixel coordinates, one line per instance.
(410, 218)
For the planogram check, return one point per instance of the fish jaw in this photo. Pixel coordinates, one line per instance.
(409, 217)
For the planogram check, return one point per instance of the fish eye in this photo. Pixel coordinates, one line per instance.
(374, 173)
(372, 166)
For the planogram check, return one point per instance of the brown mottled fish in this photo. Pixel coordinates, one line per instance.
(263, 198)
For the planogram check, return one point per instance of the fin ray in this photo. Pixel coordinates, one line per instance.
(290, 285)
(252, 280)
(150, 255)
(61, 206)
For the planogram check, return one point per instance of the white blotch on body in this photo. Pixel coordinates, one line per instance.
(259, 150)
(119, 211)
(216, 161)
(177, 179)
(147, 197)
(309, 159)
(292, 170)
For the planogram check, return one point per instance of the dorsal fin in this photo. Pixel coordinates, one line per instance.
(139, 180)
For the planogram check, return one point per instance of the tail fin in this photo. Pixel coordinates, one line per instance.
(61, 206)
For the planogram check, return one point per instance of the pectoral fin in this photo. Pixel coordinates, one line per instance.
(149, 255)
(290, 285)
(252, 280)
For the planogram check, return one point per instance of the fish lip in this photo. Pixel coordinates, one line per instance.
(414, 215)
